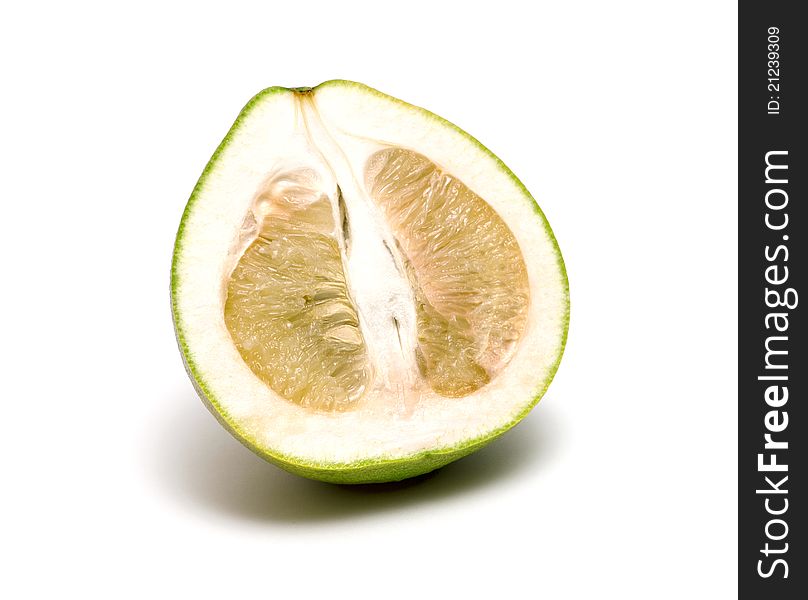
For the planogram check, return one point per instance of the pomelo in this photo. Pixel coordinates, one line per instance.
(361, 291)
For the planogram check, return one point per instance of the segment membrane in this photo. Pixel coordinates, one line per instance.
(465, 266)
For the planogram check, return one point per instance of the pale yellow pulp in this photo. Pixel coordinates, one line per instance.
(289, 307)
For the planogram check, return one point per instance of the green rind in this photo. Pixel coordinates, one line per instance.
(374, 470)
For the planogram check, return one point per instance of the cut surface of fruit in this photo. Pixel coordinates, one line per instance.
(360, 290)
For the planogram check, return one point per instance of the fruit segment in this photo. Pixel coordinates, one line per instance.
(288, 309)
(465, 267)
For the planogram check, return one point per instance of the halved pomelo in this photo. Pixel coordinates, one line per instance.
(361, 291)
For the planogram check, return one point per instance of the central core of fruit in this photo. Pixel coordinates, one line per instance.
(294, 301)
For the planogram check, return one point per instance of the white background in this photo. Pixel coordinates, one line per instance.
(620, 117)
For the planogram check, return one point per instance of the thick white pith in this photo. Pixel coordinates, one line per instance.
(357, 122)
(374, 270)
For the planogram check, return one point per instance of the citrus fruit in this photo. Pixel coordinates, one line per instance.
(361, 291)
